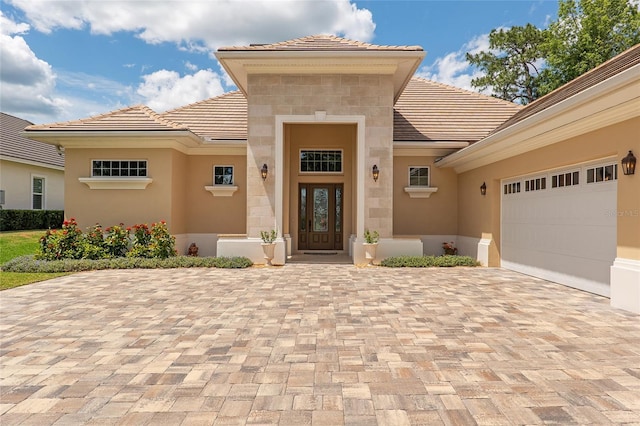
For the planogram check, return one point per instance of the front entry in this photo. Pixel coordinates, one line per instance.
(320, 216)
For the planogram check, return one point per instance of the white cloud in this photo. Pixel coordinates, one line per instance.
(164, 90)
(27, 84)
(204, 25)
(453, 68)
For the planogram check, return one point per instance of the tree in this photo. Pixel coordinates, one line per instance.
(586, 34)
(511, 66)
(524, 63)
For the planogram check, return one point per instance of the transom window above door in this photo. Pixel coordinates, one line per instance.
(321, 161)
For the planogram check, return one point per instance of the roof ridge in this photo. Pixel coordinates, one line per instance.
(300, 41)
(467, 91)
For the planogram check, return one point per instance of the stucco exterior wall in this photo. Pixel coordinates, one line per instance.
(269, 96)
(479, 216)
(435, 215)
(205, 213)
(16, 180)
(112, 206)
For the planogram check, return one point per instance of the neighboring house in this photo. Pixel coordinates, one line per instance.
(31, 172)
(537, 189)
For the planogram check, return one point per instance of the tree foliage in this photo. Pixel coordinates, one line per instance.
(512, 64)
(524, 63)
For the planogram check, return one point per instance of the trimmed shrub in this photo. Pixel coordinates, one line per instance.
(24, 220)
(428, 261)
(31, 264)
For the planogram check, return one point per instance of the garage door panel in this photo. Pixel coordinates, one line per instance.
(562, 234)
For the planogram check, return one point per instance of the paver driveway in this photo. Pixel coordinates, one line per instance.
(315, 344)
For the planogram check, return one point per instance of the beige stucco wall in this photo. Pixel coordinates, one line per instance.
(112, 206)
(16, 179)
(435, 215)
(480, 216)
(318, 136)
(204, 212)
(370, 96)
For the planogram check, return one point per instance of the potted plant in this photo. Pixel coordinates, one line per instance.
(268, 244)
(370, 245)
(449, 248)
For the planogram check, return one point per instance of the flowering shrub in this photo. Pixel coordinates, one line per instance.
(162, 244)
(65, 243)
(141, 241)
(116, 242)
(113, 242)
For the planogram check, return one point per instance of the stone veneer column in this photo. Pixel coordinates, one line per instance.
(370, 96)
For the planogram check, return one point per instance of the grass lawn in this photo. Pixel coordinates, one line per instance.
(20, 243)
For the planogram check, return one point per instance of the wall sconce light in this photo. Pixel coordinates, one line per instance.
(483, 189)
(629, 164)
(376, 172)
(264, 171)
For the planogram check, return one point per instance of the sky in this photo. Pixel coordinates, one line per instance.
(69, 59)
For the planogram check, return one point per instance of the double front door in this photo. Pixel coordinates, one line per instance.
(320, 221)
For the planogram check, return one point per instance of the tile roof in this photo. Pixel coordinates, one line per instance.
(616, 65)
(134, 118)
(15, 146)
(222, 117)
(431, 111)
(320, 42)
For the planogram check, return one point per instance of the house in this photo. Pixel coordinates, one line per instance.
(31, 172)
(328, 137)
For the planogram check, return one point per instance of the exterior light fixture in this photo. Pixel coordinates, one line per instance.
(376, 172)
(483, 189)
(629, 164)
(264, 171)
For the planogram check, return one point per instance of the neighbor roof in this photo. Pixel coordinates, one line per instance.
(12, 145)
(134, 118)
(320, 42)
(431, 111)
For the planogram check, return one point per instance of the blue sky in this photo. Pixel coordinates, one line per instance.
(67, 59)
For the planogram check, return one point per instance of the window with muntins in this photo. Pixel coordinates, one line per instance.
(418, 176)
(535, 184)
(118, 168)
(602, 173)
(512, 188)
(565, 179)
(223, 175)
(321, 161)
(37, 191)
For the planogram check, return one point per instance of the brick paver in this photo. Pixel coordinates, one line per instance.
(315, 344)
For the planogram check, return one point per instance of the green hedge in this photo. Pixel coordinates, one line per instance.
(30, 264)
(429, 261)
(23, 220)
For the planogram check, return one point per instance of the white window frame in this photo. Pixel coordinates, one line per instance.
(121, 159)
(558, 173)
(233, 175)
(340, 150)
(44, 190)
(428, 185)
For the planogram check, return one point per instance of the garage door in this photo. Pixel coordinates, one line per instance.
(561, 225)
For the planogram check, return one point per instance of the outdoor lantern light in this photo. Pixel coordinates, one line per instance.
(483, 189)
(629, 164)
(376, 172)
(264, 171)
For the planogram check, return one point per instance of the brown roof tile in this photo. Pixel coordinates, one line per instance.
(134, 118)
(616, 65)
(319, 42)
(13, 145)
(222, 117)
(431, 111)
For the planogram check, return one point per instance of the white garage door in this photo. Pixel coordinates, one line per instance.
(561, 225)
